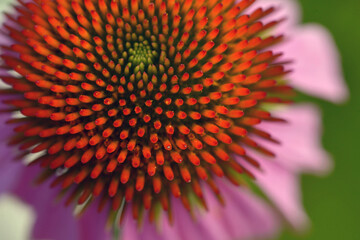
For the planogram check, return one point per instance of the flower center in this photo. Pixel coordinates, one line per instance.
(141, 54)
(141, 99)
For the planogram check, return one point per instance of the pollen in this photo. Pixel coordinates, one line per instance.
(136, 101)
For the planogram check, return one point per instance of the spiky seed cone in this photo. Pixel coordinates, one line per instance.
(140, 99)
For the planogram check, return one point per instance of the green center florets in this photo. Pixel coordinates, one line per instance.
(140, 53)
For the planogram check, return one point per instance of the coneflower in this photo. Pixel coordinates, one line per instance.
(137, 101)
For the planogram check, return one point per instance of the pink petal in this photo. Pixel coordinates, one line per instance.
(183, 227)
(92, 224)
(300, 148)
(289, 10)
(316, 67)
(9, 169)
(282, 187)
(300, 151)
(130, 230)
(244, 216)
(54, 220)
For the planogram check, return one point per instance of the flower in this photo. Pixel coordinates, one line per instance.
(150, 107)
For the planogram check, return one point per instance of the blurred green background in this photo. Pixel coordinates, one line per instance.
(333, 203)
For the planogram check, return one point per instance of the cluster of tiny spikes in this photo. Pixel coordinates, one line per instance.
(138, 100)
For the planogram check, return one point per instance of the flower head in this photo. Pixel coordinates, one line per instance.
(140, 101)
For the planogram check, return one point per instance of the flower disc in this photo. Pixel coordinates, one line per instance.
(140, 99)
